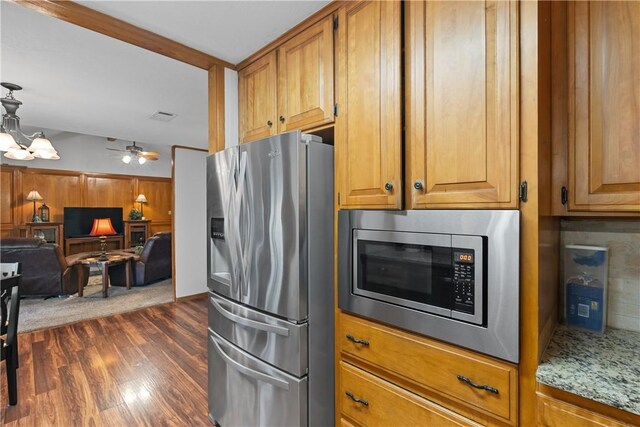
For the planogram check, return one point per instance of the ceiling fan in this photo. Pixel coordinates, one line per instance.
(135, 151)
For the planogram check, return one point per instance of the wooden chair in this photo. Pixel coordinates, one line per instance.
(10, 308)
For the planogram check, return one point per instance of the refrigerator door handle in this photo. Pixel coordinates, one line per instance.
(248, 371)
(232, 231)
(248, 322)
(239, 197)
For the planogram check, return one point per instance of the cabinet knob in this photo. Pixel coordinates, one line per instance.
(269, 123)
(388, 186)
(281, 119)
(418, 185)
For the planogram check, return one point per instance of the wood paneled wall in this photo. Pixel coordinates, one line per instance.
(62, 189)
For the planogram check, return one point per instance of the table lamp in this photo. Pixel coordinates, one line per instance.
(102, 227)
(34, 196)
(141, 199)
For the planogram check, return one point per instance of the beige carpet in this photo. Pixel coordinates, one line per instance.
(38, 313)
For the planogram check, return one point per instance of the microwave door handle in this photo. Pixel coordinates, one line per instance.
(248, 322)
(248, 371)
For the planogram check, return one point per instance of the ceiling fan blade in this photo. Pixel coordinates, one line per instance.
(115, 149)
(149, 153)
(151, 157)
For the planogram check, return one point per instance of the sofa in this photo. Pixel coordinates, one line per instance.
(153, 264)
(45, 270)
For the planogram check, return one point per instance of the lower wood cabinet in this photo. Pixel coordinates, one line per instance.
(370, 401)
(430, 369)
(556, 413)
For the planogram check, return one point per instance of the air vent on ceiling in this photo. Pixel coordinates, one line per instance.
(162, 116)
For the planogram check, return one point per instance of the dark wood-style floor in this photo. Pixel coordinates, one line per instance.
(147, 367)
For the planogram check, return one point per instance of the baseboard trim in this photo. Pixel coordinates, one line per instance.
(190, 297)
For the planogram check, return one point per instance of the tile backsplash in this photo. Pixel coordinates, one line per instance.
(622, 237)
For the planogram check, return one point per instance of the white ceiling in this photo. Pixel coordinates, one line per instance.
(79, 81)
(229, 30)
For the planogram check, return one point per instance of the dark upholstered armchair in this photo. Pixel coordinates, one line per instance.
(153, 264)
(45, 270)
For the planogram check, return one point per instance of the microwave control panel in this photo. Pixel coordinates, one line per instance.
(463, 280)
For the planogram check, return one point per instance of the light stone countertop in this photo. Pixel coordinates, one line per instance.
(604, 368)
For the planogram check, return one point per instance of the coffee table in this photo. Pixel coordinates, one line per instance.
(103, 266)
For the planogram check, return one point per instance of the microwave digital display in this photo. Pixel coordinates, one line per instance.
(463, 257)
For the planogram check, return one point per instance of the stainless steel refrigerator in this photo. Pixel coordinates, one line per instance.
(270, 277)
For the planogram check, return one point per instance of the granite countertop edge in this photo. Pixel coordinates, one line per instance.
(604, 368)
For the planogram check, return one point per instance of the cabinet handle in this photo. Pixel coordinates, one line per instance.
(365, 343)
(474, 385)
(418, 185)
(269, 123)
(388, 186)
(564, 195)
(356, 399)
(281, 119)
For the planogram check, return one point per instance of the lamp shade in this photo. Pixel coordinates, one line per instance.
(34, 195)
(41, 144)
(7, 142)
(102, 227)
(141, 198)
(18, 154)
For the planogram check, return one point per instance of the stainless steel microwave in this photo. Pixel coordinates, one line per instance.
(449, 274)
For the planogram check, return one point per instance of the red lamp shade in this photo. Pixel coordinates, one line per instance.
(102, 227)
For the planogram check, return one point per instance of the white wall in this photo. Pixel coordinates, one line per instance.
(190, 218)
(230, 108)
(87, 153)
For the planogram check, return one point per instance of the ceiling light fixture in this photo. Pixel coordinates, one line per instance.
(136, 152)
(13, 140)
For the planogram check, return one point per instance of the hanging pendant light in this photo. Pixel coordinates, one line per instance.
(13, 140)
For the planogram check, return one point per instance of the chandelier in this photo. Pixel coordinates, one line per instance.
(13, 140)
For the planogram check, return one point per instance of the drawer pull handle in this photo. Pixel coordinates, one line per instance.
(357, 341)
(355, 399)
(474, 385)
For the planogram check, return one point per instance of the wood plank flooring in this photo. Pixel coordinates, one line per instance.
(147, 367)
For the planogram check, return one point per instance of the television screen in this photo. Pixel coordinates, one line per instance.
(78, 221)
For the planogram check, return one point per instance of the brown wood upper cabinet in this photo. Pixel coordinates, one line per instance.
(603, 106)
(462, 104)
(369, 126)
(291, 87)
(305, 78)
(257, 99)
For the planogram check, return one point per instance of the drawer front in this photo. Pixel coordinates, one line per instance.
(555, 413)
(443, 369)
(245, 391)
(371, 401)
(278, 342)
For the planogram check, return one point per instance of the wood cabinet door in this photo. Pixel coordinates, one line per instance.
(369, 124)
(305, 78)
(604, 105)
(556, 413)
(462, 104)
(257, 99)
